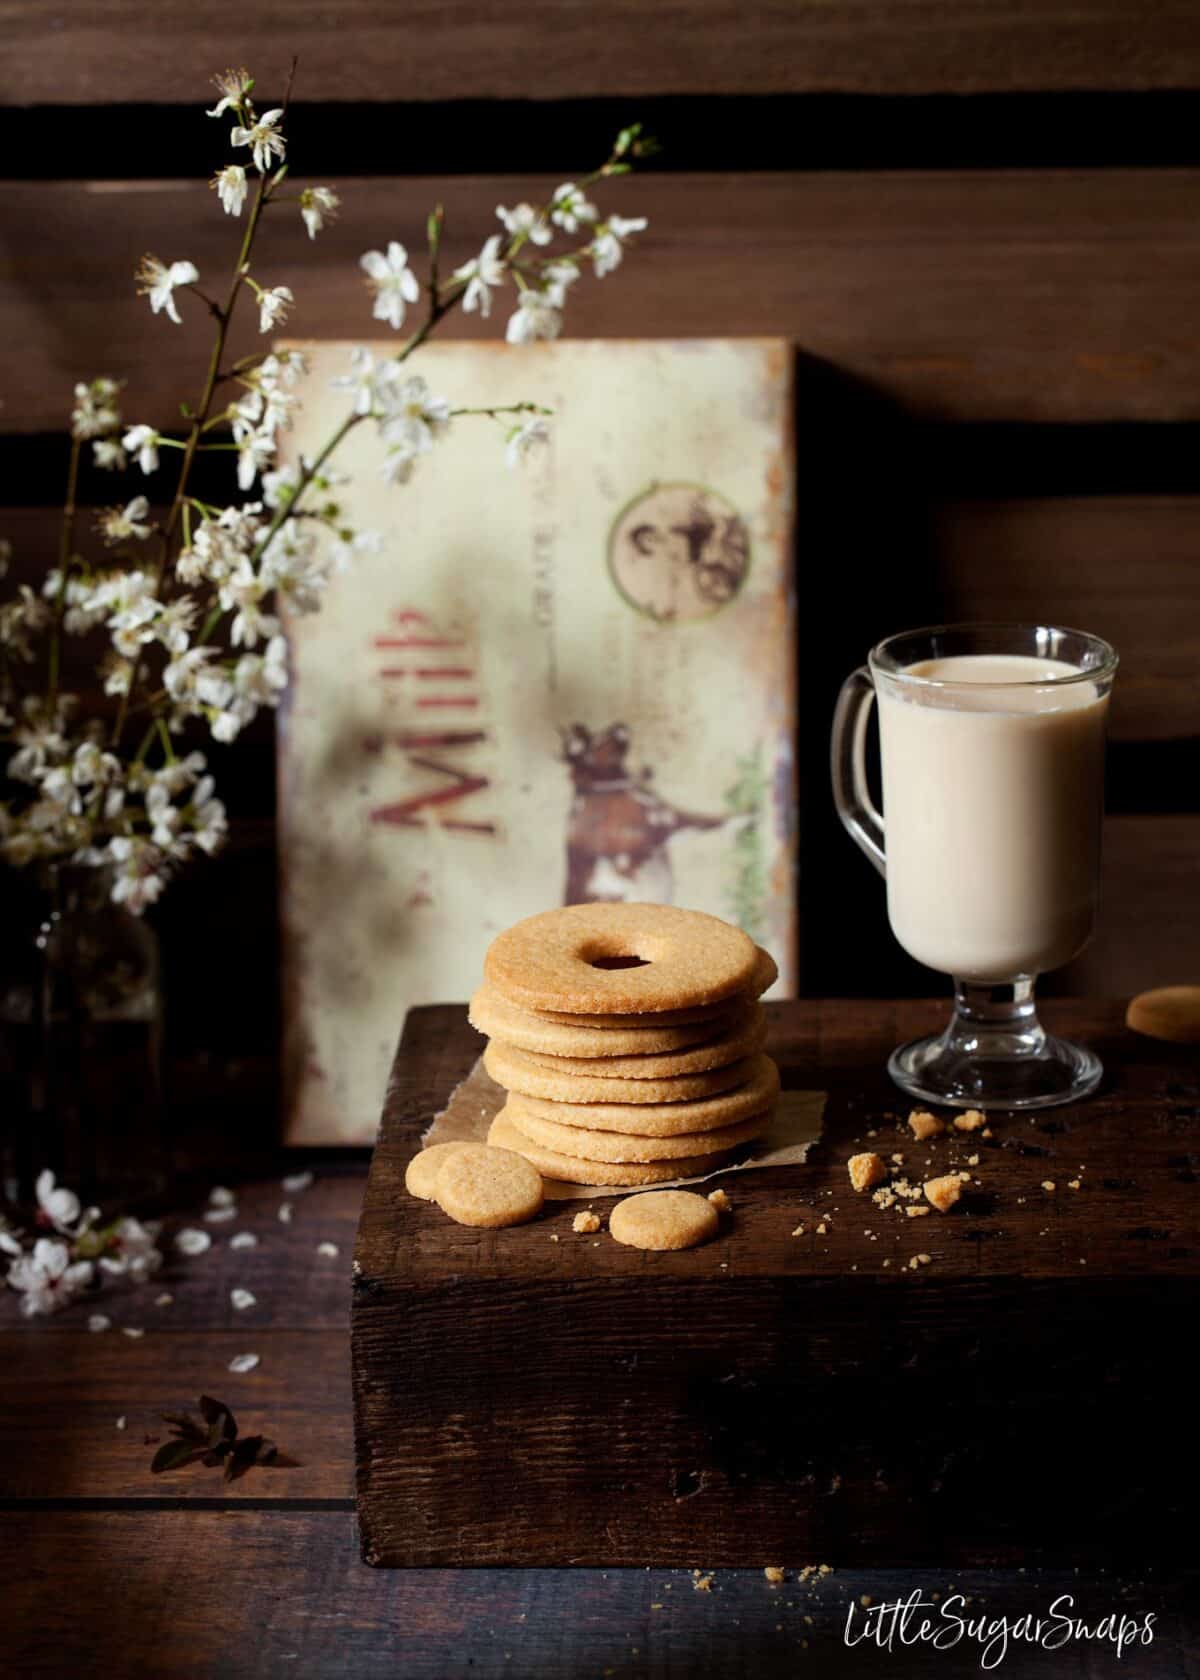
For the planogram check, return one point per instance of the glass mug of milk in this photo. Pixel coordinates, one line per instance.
(992, 747)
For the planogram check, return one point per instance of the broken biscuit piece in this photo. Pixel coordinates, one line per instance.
(924, 1125)
(971, 1121)
(942, 1193)
(586, 1222)
(720, 1201)
(866, 1170)
(774, 1574)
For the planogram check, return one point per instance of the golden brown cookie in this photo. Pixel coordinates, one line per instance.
(1170, 1013)
(664, 1219)
(512, 1069)
(718, 1052)
(766, 972)
(573, 1169)
(626, 1146)
(621, 1035)
(420, 1175)
(479, 1185)
(620, 959)
(756, 1096)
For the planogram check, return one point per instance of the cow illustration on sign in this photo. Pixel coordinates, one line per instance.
(618, 829)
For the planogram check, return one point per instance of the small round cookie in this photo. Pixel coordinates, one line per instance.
(621, 1035)
(625, 1146)
(766, 972)
(481, 1185)
(620, 959)
(756, 1096)
(420, 1175)
(664, 1219)
(1170, 1013)
(573, 1169)
(512, 1069)
(747, 1040)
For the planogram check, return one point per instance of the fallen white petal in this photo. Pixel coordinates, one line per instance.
(218, 1215)
(99, 1321)
(219, 1196)
(243, 1239)
(243, 1362)
(242, 1298)
(121, 1421)
(328, 1248)
(192, 1241)
(297, 1181)
(132, 1332)
(285, 1213)
(164, 1300)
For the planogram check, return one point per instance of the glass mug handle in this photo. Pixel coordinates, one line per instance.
(848, 765)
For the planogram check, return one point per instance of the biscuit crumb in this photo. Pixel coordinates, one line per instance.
(883, 1198)
(915, 1212)
(554, 1236)
(799, 1231)
(865, 1170)
(774, 1574)
(866, 1601)
(942, 1193)
(897, 1160)
(586, 1221)
(720, 1201)
(986, 1132)
(1073, 1184)
(1048, 1184)
(972, 1160)
(971, 1121)
(924, 1125)
(821, 1230)
(703, 1583)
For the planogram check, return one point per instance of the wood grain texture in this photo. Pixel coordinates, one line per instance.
(1060, 295)
(256, 1595)
(126, 50)
(684, 1375)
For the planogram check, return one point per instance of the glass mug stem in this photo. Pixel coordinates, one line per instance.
(992, 743)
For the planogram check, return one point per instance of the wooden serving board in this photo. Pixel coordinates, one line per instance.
(520, 1400)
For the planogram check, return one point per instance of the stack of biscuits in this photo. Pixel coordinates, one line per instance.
(629, 1039)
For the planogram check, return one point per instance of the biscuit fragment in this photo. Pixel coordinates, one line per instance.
(663, 1219)
(420, 1175)
(942, 1193)
(866, 1170)
(924, 1125)
(972, 1121)
(480, 1185)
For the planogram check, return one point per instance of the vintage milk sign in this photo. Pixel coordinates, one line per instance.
(569, 680)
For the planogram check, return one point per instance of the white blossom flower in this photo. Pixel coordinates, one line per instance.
(142, 441)
(608, 246)
(392, 281)
(241, 1299)
(255, 451)
(367, 379)
(209, 821)
(246, 589)
(120, 524)
(328, 1250)
(263, 138)
(230, 185)
(570, 208)
(318, 205)
(57, 1206)
(132, 1250)
(536, 317)
(295, 1182)
(47, 1278)
(219, 1215)
(158, 280)
(118, 674)
(109, 455)
(99, 1322)
(523, 440)
(350, 544)
(280, 486)
(413, 418)
(557, 278)
(192, 1241)
(221, 1196)
(482, 273)
(285, 1213)
(137, 881)
(233, 86)
(242, 1362)
(273, 307)
(95, 413)
(524, 219)
(173, 625)
(181, 675)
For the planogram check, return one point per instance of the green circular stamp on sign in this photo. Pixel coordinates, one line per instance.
(678, 552)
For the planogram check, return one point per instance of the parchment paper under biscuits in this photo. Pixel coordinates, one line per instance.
(795, 1127)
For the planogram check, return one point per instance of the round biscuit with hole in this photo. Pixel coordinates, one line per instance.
(573, 1169)
(512, 1069)
(704, 1114)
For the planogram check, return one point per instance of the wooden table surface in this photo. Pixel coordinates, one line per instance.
(109, 1569)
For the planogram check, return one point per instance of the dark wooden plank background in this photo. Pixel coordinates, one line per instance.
(980, 224)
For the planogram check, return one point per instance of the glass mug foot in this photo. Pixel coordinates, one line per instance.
(947, 1071)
